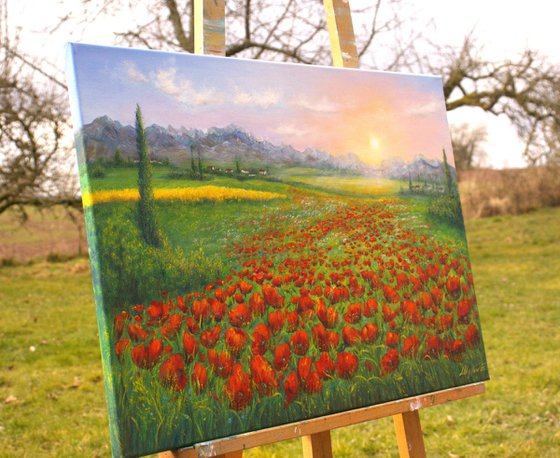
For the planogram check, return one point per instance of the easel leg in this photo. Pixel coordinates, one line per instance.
(317, 445)
(409, 435)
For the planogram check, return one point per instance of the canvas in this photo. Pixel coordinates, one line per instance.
(269, 242)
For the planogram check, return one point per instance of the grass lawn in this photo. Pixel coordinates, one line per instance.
(52, 398)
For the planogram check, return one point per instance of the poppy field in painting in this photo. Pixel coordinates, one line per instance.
(243, 282)
(347, 309)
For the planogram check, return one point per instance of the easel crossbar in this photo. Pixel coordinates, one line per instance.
(321, 424)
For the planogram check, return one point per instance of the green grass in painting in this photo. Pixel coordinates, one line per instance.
(515, 262)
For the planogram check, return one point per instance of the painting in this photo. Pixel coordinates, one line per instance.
(269, 242)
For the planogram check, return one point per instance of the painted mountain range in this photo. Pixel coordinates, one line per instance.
(103, 136)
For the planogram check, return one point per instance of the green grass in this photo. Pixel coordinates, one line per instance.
(516, 261)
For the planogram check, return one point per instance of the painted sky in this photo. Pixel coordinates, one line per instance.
(375, 115)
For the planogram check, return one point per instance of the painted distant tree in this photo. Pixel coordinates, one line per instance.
(118, 159)
(409, 182)
(146, 205)
(448, 180)
(199, 162)
(193, 167)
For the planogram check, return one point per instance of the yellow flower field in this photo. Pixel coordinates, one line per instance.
(208, 193)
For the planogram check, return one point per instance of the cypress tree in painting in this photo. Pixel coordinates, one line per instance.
(146, 205)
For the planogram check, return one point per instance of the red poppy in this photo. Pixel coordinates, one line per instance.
(325, 365)
(329, 317)
(402, 280)
(471, 336)
(238, 388)
(245, 287)
(291, 388)
(118, 325)
(293, 321)
(370, 307)
(263, 376)
(146, 357)
(350, 335)
(390, 294)
(172, 373)
(282, 355)
(137, 333)
(221, 363)
(304, 368)
(353, 314)
(257, 304)
(446, 322)
(456, 349)
(199, 377)
(410, 311)
(192, 325)
(156, 312)
(190, 346)
(181, 304)
(220, 295)
(320, 337)
(305, 303)
(435, 346)
(240, 315)
(338, 294)
(346, 364)
(276, 321)
(390, 361)
(453, 286)
(416, 284)
(313, 383)
(388, 313)
(236, 339)
(120, 347)
(259, 344)
(411, 345)
(369, 333)
(463, 311)
(392, 339)
(238, 298)
(201, 309)
(172, 326)
(426, 300)
(210, 338)
(272, 296)
(437, 295)
(300, 342)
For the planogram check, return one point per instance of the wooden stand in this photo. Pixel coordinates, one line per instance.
(315, 433)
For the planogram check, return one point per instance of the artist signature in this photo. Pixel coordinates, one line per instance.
(472, 370)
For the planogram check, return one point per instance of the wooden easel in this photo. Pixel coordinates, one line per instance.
(209, 38)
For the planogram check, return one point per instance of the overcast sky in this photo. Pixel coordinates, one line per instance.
(504, 27)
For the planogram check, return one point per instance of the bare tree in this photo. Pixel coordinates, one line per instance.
(526, 90)
(468, 146)
(33, 127)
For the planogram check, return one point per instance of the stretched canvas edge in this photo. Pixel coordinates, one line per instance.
(91, 233)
